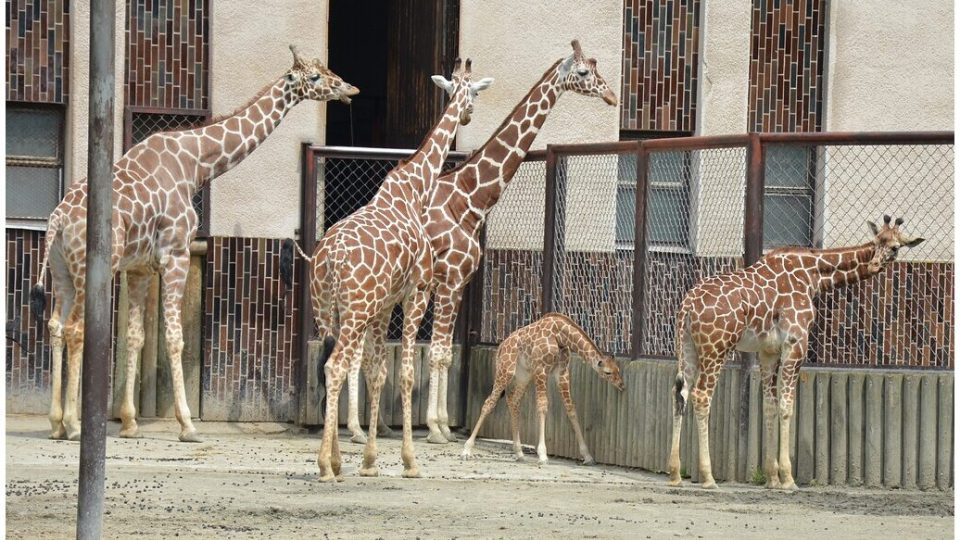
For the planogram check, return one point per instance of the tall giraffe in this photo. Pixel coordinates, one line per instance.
(537, 350)
(153, 224)
(462, 199)
(365, 264)
(766, 308)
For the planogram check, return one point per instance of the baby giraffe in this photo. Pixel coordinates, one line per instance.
(537, 350)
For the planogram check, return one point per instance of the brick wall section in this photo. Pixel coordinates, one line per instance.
(786, 66)
(661, 41)
(512, 292)
(167, 59)
(38, 59)
(250, 333)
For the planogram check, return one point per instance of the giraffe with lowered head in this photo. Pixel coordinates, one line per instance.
(766, 308)
(535, 351)
(153, 223)
(463, 197)
(364, 265)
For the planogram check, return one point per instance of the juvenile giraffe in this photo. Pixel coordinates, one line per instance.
(462, 199)
(153, 224)
(766, 308)
(537, 350)
(367, 263)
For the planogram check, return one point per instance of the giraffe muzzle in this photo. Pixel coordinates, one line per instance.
(609, 97)
(348, 93)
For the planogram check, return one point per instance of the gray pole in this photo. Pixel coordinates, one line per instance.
(99, 293)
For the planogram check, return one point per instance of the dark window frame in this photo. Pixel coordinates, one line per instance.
(57, 162)
(806, 190)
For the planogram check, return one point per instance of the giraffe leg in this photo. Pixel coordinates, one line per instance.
(353, 405)
(64, 296)
(445, 302)
(563, 383)
(137, 287)
(506, 365)
(378, 336)
(542, 404)
(376, 374)
(513, 402)
(73, 332)
(174, 267)
(701, 397)
(414, 307)
(433, 416)
(768, 385)
(789, 372)
(687, 360)
(348, 345)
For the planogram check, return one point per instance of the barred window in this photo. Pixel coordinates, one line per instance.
(788, 201)
(34, 161)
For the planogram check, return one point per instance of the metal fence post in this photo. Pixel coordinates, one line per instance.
(98, 303)
(752, 251)
(308, 239)
(550, 231)
(640, 251)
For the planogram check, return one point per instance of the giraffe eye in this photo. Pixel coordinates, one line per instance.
(314, 78)
(583, 72)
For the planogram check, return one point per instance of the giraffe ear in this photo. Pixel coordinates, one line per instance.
(440, 81)
(292, 77)
(482, 84)
(565, 66)
(913, 242)
(873, 228)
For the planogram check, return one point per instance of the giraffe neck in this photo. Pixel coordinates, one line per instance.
(225, 143)
(409, 184)
(843, 266)
(487, 172)
(575, 340)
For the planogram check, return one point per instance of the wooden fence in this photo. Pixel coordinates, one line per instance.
(869, 427)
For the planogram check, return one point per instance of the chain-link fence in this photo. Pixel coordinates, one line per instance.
(346, 180)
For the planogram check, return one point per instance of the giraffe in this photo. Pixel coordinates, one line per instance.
(153, 224)
(462, 199)
(766, 308)
(367, 263)
(537, 350)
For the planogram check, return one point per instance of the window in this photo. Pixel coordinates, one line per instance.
(788, 201)
(141, 123)
(668, 197)
(34, 161)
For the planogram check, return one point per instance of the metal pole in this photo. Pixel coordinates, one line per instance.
(308, 239)
(549, 231)
(99, 292)
(752, 251)
(640, 251)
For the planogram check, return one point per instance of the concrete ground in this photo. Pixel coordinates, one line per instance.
(260, 480)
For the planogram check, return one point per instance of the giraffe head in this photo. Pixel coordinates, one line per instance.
(609, 370)
(888, 240)
(310, 79)
(461, 87)
(579, 74)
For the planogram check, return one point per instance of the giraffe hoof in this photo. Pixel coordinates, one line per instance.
(466, 454)
(190, 436)
(709, 484)
(328, 478)
(73, 435)
(674, 482)
(384, 431)
(518, 456)
(773, 484)
(58, 433)
(541, 462)
(130, 432)
(589, 461)
(789, 486)
(369, 471)
(435, 437)
(447, 434)
(412, 472)
(359, 438)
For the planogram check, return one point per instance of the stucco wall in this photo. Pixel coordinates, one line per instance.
(515, 42)
(891, 69)
(261, 196)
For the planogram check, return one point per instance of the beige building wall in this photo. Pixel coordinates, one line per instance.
(260, 197)
(891, 69)
(515, 42)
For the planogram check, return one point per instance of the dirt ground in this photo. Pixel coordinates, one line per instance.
(260, 480)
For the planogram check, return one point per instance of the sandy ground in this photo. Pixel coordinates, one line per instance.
(260, 480)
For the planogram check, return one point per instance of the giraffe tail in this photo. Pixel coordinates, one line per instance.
(680, 389)
(329, 343)
(38, 297)
(286, 260)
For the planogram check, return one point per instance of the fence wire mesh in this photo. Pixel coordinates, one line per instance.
(695, 214)
(593, 281)
(344, 185)
(823, 196)
(513, 255)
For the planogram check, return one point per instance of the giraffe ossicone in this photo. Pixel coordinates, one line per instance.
(153, 223)
(462, 198)
(535, 351)
(367, 263)
(766, 308)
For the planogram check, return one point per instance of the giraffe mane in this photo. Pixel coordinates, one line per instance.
(503, 124)
(576, 327)
(221, 117)
(800, 250)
